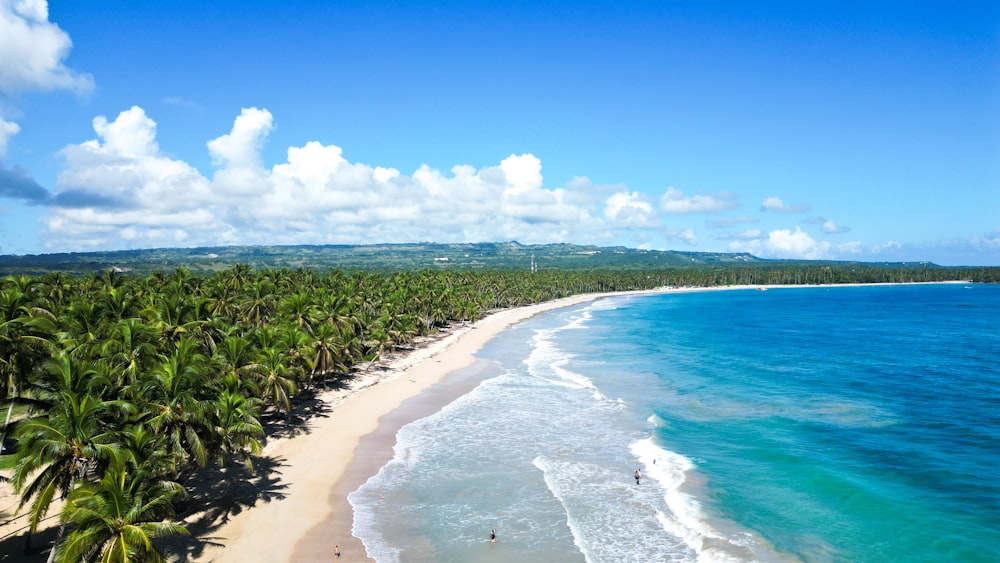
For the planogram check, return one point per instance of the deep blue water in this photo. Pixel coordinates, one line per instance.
(800, 424)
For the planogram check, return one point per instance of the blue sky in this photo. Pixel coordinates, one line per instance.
(833, 130)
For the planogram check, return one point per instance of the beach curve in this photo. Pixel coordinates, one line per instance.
(313, 515)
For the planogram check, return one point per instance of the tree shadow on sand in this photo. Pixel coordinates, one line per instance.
(217, 494)
(306, 406)
(16, 546)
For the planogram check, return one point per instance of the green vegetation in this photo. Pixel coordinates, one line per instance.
(129, 385)
(388, 258)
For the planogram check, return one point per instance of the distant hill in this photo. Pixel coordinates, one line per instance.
(384, 257)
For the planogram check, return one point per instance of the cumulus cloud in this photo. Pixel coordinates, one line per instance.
(674, 201)
(774, 203)
(121, 184)
(123, 168)
(32, 50)
(119, 189)
(240, 169)
(783, 242)
(797, 244)
(7, 130)
(629, 209)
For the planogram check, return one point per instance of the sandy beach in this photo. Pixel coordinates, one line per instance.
(295, 506)
(349, 443)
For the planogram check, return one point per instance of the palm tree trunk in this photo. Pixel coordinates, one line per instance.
(6, 423)
(55, 544)
(3, 435)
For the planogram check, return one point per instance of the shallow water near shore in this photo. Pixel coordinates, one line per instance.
(801, 424)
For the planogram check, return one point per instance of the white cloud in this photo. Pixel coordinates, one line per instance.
(797, 244)
(121, 190)
(629, 210)
(522, 173)
(674, 201)
(133, 134)
(687, 236)
(32, 50)
(783, 242)
(832, 228)
(7, 130)
(774, 203)
(121, 180)
(240, 169)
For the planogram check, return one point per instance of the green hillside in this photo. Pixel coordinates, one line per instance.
(376, 257)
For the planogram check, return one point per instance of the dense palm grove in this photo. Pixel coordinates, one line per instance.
(128, 385)
(125, 386)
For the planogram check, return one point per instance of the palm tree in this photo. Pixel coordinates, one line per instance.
(276, 384)
(174, 314)
(172, 396)
(298, 308)
(117, 303)
(236, 424)
(259, 303)
(326, 357)
(118, 517)
(235, 356)
(236, 276)
(84, 323)
(130, 348)
(60, 448)
(147, 451)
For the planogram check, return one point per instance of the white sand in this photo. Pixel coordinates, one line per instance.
(310, 518)
(313, 462)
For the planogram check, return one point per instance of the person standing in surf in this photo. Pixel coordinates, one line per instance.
(493, 536)
(637, 476)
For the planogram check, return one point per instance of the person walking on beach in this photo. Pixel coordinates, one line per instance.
(336, 551)
(493, 536)
(637, 476)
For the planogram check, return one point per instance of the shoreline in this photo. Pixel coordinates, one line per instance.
(356, 438)
(312, 514)
(299, 506)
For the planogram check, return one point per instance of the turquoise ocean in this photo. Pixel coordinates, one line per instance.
(794, 424)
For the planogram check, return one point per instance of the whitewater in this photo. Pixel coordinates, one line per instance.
(799, 424)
